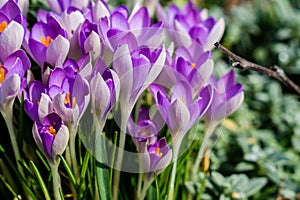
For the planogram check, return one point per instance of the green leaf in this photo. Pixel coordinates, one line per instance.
(40, 180)
(9, 187)
(102, 173)
(254, 186)
(69, 171)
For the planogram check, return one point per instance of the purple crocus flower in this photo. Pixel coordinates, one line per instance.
(190, 24)
(192, 65)
(59, 6)
(70, 95)
(105, 89)
(35, 100)
(47, 43)
(134, 30)
(228, 97)
(12, 79)
(71, 19)
(181, 112)
(12, 26)
(155, 157)
(136, 71)
(51, 136)
(146, 129)
(89, 40)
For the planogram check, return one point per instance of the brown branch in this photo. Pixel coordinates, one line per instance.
(274, 72)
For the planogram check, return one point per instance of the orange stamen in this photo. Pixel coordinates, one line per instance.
(193, 65)
(67, 98)
(46, 40)
(157, 151)
(3, 25)
(52, 131)
(2, 74)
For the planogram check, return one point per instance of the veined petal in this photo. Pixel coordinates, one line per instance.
(181, 35)
(215, 35)
(57, 51)
(60, 141)
(178, 119)
(100, 97)
(11, 39)
(45, 107)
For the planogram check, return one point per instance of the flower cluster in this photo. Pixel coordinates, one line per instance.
(92, 58)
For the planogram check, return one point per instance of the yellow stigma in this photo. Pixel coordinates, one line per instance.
(157, 152)
(46, 40)
(2, 74)
(73, 102)
(3, 25)
(182, 100)
(52, 131)
(220, 91)
(193, 65)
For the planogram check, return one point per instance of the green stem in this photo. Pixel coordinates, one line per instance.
(145, 188)
(139, 187)
(173, 174)
(209, 130)
(117, 172)
(55, 181)
(8, 117)
(72, 145)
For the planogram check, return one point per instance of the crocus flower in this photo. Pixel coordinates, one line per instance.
(159, 154)
(181, 112)
(12, 26)
(33, 100)
(71, 19)
(51, 136)
(146, 128)
(70, 95)
(59, 6)
(12, 73)
(47, 43)
(228, 97)
(134, 30)
(89, 40)
(193, 65)
(191, 24)
(105, 89)
(136, 71)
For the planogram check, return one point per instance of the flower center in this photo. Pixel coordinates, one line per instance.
(52, 131)
(2, 74)
(157, 152)
(193, 65)
(46, 40)
(3, 25)
(68, 102)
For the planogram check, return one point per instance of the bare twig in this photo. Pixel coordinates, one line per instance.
(274, 71)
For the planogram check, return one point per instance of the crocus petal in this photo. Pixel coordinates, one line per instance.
(57, 51)
(60, 141)
(37, 137)
(178, 119)
(215, 35)
(9, 90)
(45, 107)
(92, 45)
(11, 39)
(100, 97)
(67, 114)
(181, 35)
